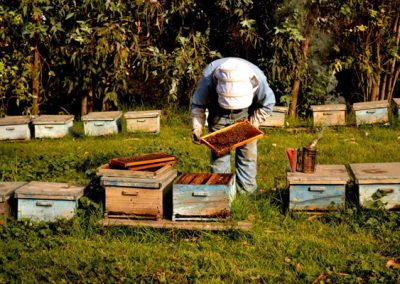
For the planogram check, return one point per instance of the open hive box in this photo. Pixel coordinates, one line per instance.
(202, 196)
(231, 137)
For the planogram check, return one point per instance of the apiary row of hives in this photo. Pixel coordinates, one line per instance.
(328, 188)
(94, 124)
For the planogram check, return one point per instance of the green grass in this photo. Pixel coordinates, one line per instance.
(349, 246)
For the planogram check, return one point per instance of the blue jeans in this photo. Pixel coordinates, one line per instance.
(245, 156)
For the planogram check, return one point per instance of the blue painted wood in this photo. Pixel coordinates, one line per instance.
(371, 116)
(202, 201)
(45, 209)
(316, 197)
(15, 128)
(385, 193)
(52, 126)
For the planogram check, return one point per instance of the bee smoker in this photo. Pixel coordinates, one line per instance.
(307, 156)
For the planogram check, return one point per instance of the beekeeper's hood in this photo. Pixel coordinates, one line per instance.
(233, 79)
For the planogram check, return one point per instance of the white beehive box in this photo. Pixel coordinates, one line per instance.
(143, 121)
(52, 126)
(102, 123)
(334, 114)
(371, 112)
(15, 127)
(277, 118)
(47, 201)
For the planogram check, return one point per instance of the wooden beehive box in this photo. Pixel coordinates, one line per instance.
(277, 118)
(334, 114)
(7, 204)
(231, 137)
(15, 128)
(143, 121)
(202, 196)
(139, 196)
(102, 123)
(322, 190)
(396, 102)
(52, 126)
(47, 201)
(378, 182)
(371, 112)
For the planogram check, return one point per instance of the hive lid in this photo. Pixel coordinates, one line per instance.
(142, 114)
(52, 119)
(369, 105)
(7, 189)
(102, 115)
(15, 120)
(324, 174)
(396, 101)
(231, 137)
(49, 190)
(370, 173)
(280, 109)
(331, 107)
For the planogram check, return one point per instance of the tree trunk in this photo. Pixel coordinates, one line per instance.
(35, 78)
(309, 24)
(90, 100)
(84, 105)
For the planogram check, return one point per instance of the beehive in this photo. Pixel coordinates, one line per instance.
(396, 102)
(202, 196)
(371, 112)
(277, 118)
(52, 126)
(323, 190)
(139, 195)
(334, 114)
(102, 123)
(15, 128)
(47, 201)
(7, 204)
(143, 121)
(378, 182)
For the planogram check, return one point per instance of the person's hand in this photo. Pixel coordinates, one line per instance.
(196, 134)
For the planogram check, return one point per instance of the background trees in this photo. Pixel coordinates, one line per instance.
(68, 56)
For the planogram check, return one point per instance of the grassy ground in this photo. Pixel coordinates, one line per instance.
(352, 245)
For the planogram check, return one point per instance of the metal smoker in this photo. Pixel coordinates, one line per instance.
(307, 157)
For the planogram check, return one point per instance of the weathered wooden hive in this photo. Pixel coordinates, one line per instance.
(138, 187)
(334, 114)
(371, 112)
(378, 182)
(277, 118)
(47, 201)
(15, 128)
(396, 102)
(322, 190)
(143, 121)
(202, 196)
(102, 123)
(52, 126)
(7, 201)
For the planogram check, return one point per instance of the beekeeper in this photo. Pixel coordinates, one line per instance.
(232, 89)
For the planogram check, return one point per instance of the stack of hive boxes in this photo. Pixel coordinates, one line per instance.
(138, 186)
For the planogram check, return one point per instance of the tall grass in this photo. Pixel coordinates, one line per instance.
(349, 246)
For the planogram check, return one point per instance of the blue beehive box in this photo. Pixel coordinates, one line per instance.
(15, 128)
(371, 112)
(47, 201)
(102, 123)
(202, 196)
(396, 102)
(378, 182)
(52, 126)
(322, 190)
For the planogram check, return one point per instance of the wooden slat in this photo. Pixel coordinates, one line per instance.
(167, 224)
(370, 173)
(150, 158)
(200, 178)
(151, 166)
(214, 179)
(186, 178)
(151, 173)
(324, 174)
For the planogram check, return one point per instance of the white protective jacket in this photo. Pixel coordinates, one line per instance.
(232, 83)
